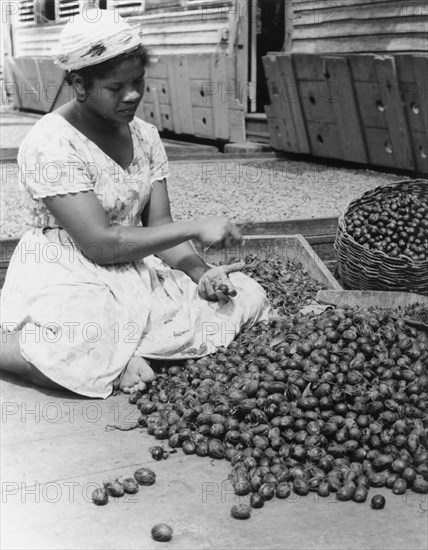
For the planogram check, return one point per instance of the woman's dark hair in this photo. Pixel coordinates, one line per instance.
(101, 70)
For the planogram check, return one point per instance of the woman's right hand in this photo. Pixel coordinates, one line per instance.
(218, 230)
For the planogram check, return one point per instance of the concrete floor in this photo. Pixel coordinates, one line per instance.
(56, 450)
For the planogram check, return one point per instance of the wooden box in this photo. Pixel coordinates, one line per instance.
(288, 247)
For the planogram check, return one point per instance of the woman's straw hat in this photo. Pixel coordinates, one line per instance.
(94, 36)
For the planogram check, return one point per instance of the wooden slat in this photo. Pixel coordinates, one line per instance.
(325, 249)
(362, 67)
(203, 91)
(413, 96)
(182, 86)
(324, 139)
(29, 89)
(275, 142)
(391, 42)
(395, 115)
(158, 68)
(371, 108)
(175, 104)
(345, 108)
(156, 110)
(305, 227)
(307, 67)
(280, 104)
(420, 64)
(237, 125)
(240, 51)
(166, 116)
(420, 145)
(202, 121)
(162, 86)
(44, 103)
(316, 101)
(199, 68)
(220, 100)
(322, 12)
(287, 69)
(15, 81)
(379, 147)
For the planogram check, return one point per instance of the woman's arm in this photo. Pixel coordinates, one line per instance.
(85, 220)
(182, 256)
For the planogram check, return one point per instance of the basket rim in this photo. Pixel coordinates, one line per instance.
(377, 253)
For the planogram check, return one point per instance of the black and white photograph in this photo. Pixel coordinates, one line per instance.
(214, 274)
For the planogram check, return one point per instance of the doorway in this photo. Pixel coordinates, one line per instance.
(266, 35)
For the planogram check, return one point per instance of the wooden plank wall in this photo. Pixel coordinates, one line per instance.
(368, 109)
(198, 28)
(357, 26)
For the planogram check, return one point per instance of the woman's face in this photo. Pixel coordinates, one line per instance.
(116, 96)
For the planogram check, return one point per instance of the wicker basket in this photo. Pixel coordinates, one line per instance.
(362, 269)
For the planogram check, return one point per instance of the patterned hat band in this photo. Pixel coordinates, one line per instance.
(93, 37)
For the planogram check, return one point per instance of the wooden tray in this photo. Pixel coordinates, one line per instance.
(288, 247)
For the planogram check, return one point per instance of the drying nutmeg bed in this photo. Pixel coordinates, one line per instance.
(332, 404)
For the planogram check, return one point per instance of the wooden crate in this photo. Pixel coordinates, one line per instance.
(320, 233)
(368, 109)
(287, 247)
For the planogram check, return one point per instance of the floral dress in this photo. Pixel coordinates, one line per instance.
(81, 322)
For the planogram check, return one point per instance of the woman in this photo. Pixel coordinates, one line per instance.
(86, 301)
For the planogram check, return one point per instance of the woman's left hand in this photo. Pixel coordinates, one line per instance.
(215, 285)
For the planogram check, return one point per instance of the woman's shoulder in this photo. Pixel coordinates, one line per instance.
(50, 128)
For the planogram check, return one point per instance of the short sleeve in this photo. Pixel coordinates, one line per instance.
(50, 165)
(158, 159)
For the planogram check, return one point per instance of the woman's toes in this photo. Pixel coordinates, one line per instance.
(146, 372)
(141, 386)
(137, 375)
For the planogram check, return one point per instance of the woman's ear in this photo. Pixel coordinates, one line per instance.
(78, 84)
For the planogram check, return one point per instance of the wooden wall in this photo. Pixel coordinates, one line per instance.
(168, 26)
(357, 26)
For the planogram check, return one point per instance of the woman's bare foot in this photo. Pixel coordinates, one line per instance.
(137, 375)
